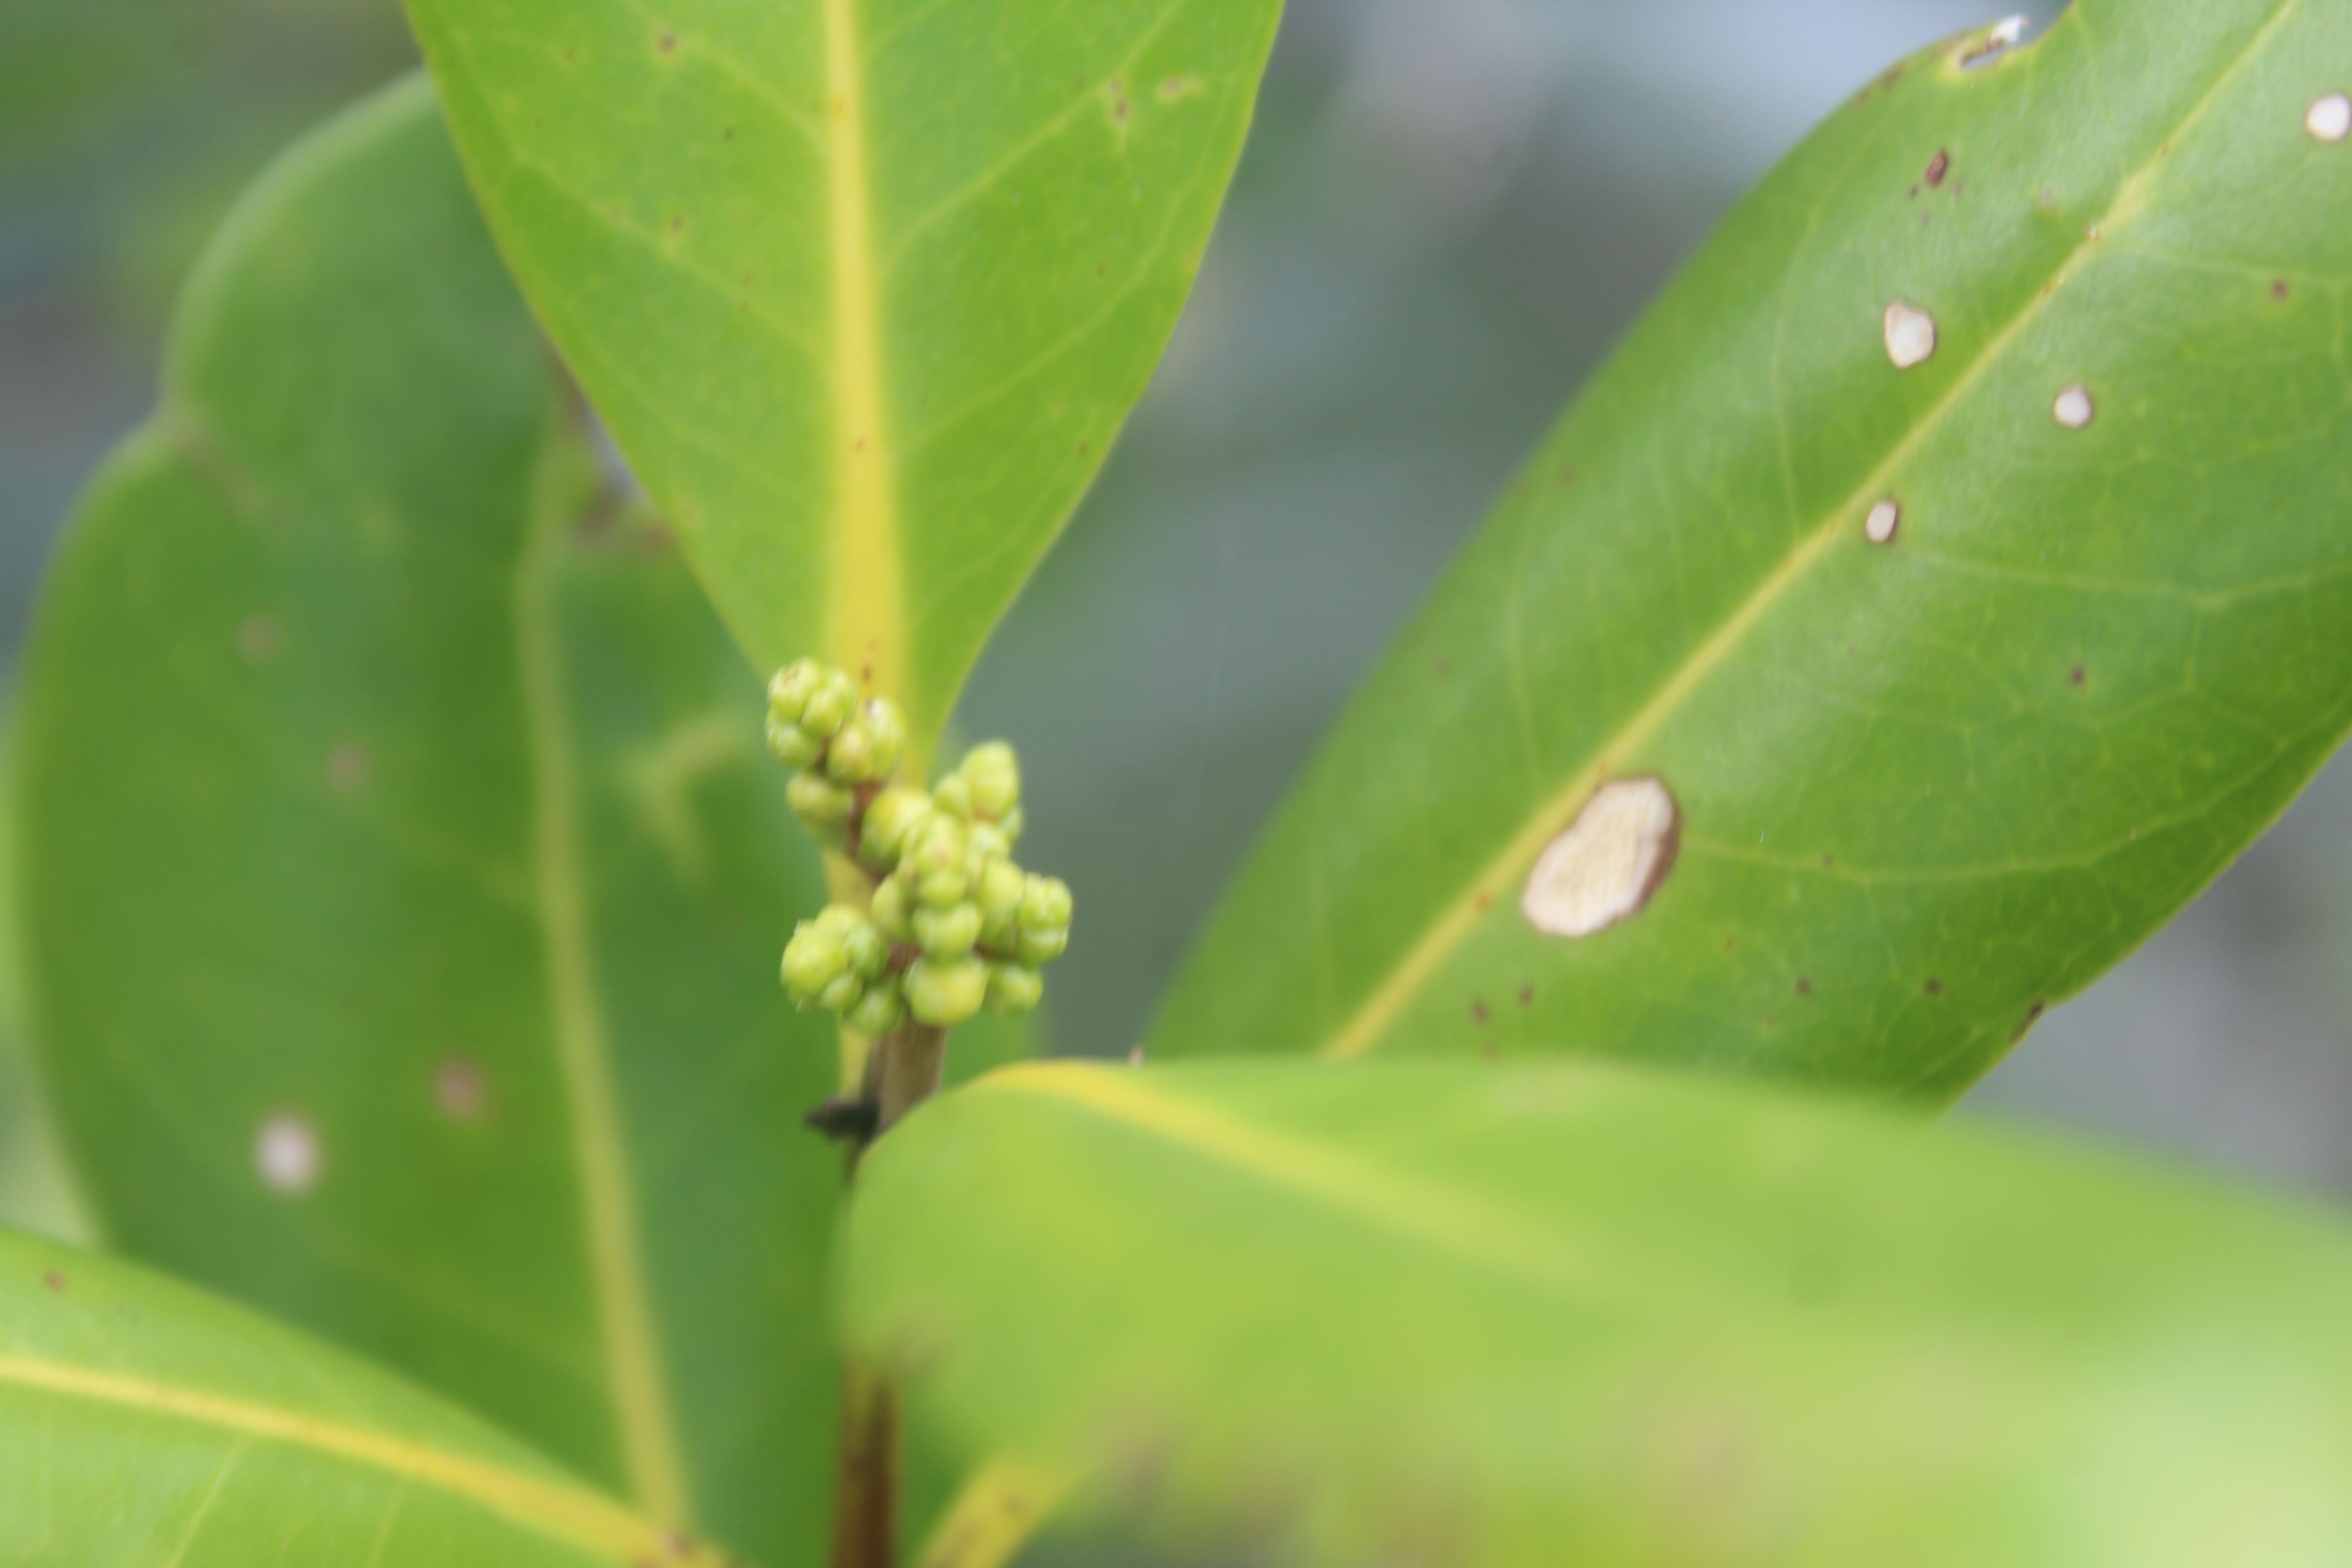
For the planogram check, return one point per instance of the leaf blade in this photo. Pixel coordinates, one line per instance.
(405, 765)
(1923, 787)
(865, 320)
(125, 1390)
(1496, 1315)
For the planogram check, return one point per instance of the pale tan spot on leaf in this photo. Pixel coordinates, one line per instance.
(1605, 867)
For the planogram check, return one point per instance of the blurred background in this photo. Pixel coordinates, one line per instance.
(1450, 210)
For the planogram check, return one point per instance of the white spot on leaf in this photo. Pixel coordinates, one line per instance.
(1910, 333)
(2074, 408)
(1879, 526)
(1604, 869)
(2329, 119)
(2000, 35)
(285, 1153)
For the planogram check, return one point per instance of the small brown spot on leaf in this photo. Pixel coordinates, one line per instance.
(458, 1088)
(1526, 995)
(728, 134)
(347, 767)
(2032, 1016)
(2278, 289)
(258, 639)
(667, 43)
(2076, 675)
(54, 1280)
(1934, 987)
(1804, 985)
(1828, 862)
(1479, 1014)
(1567, 473)
(676, 224)
(1936, 166)
(1115, 94)
(570, 53)
(1484, 901)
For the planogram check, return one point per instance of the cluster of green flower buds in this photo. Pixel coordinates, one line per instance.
(956, 925)
(817, 725)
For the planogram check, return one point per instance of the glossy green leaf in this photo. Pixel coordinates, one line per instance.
(863, 288)
(144, 1423)
(1421, 1312)
(1923, 787)
(406, 874)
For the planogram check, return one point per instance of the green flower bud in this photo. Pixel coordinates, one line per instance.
(939, 859)
(949, 932)
(1040, 946)
(944, 991)
(988, 844)
(791, 688)
(821, 805)
(1014, 821)
(841, 995)
(886, 729)
(793, 746)
(998, 895)
(868, 951)
(878, 1012)
(849, 755)
(952, 794)
(814, 960)
(830, 705)
(894, 905)
(1014, 989)
(1045, 904)
(992, 775)
(891, 819)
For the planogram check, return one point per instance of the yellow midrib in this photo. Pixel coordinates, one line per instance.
(547, 1508)
(1460, 1223)
(866, 630)
(631, 1354)
(1495, 884)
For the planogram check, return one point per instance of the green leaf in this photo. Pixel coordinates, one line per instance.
(33, 1192)
(863, 288)
(144, 1423)
(408, 877)
(1923, 788)
(1437, 1312)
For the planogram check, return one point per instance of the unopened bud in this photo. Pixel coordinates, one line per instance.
(952, 794)
(998, 896)
(878, 1012)
(949, 932)
(793, 746)
(891, 819)
(821, 805)
(1045, 904)
(992, 776)
(893, 907)
(814, 960)
(1040, 946)
(830, 705)
(791, 687)
(944, 991)
(1014, 988)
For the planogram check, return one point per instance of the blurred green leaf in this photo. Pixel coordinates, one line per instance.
(33, 1192)
(406, 875)
(142, 1422)
(1923, 787)
(864, 289)
(1425, 1311)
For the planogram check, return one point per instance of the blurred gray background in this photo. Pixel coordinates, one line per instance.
(1449, 211)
